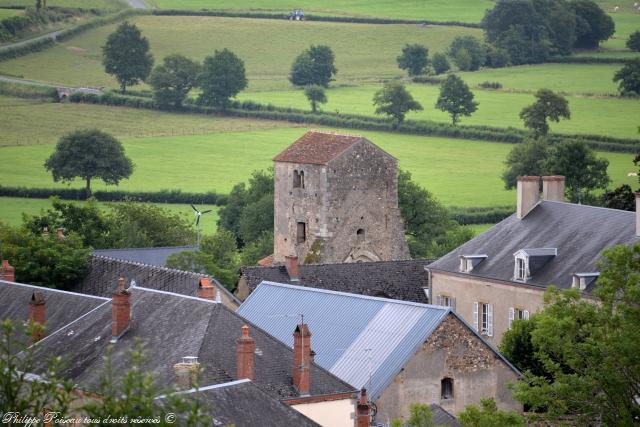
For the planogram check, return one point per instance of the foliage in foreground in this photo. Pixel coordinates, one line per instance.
(420, 415)
(487, 414)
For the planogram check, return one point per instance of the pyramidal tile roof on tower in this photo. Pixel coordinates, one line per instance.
(317, 147)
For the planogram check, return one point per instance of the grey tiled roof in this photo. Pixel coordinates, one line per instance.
(243, 404)
(172, 326)
(403, 280)
(443, 418)
(149, 256)
(580, 233)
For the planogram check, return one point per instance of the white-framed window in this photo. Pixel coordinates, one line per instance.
(520, 272)
(517, 313)
(483, 318)
(446, 301)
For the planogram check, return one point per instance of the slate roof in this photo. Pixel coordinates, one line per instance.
(242, 404)
(403, 280)
(317, 148)
(104, 273)
(579, 232)
(149, 256)
(443, 418)
(173, 326)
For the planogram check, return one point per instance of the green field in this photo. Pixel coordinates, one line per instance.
(6, 13)
(363, 52)
(605, 116)
(12, 208)
(85, 4)
(27, 122)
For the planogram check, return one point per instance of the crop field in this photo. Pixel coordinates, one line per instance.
(607, 116)
(12, 208)
(458, 172)
(28, 122)
(363, 52)
(85, 4)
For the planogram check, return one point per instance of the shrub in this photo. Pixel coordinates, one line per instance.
(490, 85)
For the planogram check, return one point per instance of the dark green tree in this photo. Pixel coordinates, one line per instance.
(629, 78)
(590, 349)
(593, 25)
(89, 154)
(621, 198)
(548, 106)
(126, 56)
(497, 57)
(584, 172)
(524, 159)
(222, 77)
(467, 52)
(314, 66)
(633, 42)
(519, 349)
(395, 101)
(315, 94)
(440, 63)
(456, 98)
(414, 59)
(488, 415)
(420, 415)
(172, 81)
(259, 248)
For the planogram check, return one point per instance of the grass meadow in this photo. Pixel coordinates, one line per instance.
(12, 208)
(85, 4)
(6, 13)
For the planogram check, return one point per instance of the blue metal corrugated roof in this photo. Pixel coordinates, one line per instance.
(363, 340)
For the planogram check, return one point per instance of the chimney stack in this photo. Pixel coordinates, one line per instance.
(120, 310)
(291, 264)
(187, 372)
(528, 194)
(553, 188)
(301, 359)
(206, 290)
(638, 214)
(8, 272)
(60, 233)
(245, 355)
(37, 315)
(363, 411)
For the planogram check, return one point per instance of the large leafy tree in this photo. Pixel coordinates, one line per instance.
(593, 25)
(89, 154)
(222, 77)
(633, 42)
(314, 66)
(526, 158)
(172, 81)
(629, 78)
(456, 98)
(440, 63)
(395, 101)
(467, 52)
(590, 350)
(126, 55)
(315, 94)
(548, 106)
(414, 59)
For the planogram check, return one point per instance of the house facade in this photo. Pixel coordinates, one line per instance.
(502, 274)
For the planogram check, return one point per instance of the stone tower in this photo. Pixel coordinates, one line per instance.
(336, 200)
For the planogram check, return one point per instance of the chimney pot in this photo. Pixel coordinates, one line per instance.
(206, 290)
(638, 214)
(8, 273)
(37, 314)
(291, 264)
(186, 373)
(245, 355)
(553, 188)
(120, 310)
(363, 412)
(301, 359)
(528, 190)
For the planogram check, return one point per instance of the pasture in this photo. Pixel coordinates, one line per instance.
(363, 52)
(12, 208)
(6, 13)
(84, 4)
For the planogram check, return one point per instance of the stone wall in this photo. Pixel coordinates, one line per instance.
(452, 351)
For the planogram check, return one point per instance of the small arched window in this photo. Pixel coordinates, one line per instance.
(297, 179)
(446, 388)
(360, 234)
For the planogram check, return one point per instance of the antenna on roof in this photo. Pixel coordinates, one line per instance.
(198, 215)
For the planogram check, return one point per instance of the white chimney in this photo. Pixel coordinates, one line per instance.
(528, 194)
(553, 188)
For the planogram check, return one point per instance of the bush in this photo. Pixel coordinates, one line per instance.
(431, 80)
(25, 91)
(490, 85)
(480, 215)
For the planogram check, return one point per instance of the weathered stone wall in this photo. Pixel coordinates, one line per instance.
(452, 351)
(355, 191)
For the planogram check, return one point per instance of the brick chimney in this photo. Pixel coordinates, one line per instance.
(291, 264)
(528, 194)
(206, 290)
(245, 355)
(8, 273)
(553, 188)
(363, 410)
(120, 310)
(60, 234)
(638, 214)
(37, 314)
(187, 373)
(301, 359)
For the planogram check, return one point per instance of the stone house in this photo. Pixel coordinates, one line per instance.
(336, 200)
(502, 274)
(402, 352)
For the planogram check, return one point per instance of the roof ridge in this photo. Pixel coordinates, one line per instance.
(80, 294)
(155, 267)
(345, 264)
(144, 249)
(621, 211)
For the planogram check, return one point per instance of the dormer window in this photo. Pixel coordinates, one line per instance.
(531, 260)
(468, 262)
(298, 179)
(582, 280)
